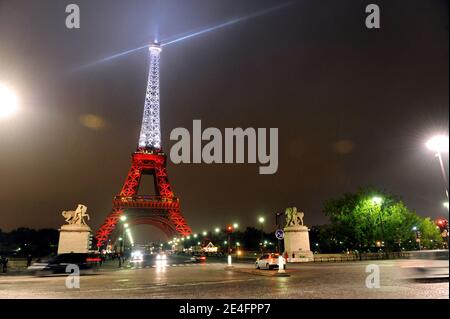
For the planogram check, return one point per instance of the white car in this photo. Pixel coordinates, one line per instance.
(268, 261)
(137, 257)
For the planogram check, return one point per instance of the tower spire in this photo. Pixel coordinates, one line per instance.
(150, 136)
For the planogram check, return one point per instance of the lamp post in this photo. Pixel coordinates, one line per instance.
(439, 144)
(276, 222)
(416, 230)
(261, 221)
(377, 200)
(123, 218)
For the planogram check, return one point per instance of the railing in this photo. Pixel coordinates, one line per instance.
(365, 256)
(143, 198)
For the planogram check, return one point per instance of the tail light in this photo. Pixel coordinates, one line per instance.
(93, 259)
(203, 258)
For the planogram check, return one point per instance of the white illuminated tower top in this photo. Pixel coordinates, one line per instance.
(150, 137)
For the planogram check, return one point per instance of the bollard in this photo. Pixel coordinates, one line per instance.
(229, 264)
(281, 265)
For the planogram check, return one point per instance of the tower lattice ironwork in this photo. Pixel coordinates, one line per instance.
(163, 208)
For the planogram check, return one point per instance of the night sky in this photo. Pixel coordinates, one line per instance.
(354, 106)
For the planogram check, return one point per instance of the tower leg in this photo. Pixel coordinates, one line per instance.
(108, 227)
(180, 223)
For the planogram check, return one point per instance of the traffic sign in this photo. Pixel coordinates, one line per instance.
(279, 233)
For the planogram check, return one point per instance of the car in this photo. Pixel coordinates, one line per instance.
(137, 257)
(86, 263)
(198, 258)
(426, 265)
(268, 261)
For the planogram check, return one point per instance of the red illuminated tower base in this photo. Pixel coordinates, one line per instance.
(161, 210)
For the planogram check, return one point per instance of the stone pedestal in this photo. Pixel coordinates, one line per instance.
(74, 239)
(296, 244)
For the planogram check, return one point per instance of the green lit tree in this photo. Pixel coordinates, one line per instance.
(370, 219)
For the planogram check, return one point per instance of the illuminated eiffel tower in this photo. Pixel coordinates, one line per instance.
(162, 209)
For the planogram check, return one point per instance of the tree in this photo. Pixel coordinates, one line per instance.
(430, 234)
(365, 219)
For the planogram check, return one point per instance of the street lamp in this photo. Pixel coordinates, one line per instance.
(278, 227)
(439, 145)
(378, 201)
(8, 102)
(235, 225)
(418, 235)
(229, 231)
(261, 221)
(123, 218)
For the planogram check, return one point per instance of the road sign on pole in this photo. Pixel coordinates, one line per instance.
(279, 234)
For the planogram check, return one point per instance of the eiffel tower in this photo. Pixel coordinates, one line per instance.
(162, 209)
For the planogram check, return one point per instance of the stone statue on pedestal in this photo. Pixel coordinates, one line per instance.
(296, 238)
(74, 236)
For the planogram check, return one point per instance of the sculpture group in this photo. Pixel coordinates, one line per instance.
(293, 217)
(76, 217)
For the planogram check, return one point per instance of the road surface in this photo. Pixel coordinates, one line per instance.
(211, 280)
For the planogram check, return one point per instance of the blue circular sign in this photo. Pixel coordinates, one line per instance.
(279, 233)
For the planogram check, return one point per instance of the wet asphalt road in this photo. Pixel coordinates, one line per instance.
(211, 280)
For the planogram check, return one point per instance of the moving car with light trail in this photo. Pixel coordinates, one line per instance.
(86, 263)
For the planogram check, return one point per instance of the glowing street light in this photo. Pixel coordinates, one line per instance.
(377, 200)
(126, 225)
(439, 145)
(205, 233)
(8, 102)
(123, 218)
(217, 230)
(235, 225)
(261, 220)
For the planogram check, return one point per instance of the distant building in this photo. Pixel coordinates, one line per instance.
(210, 248)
